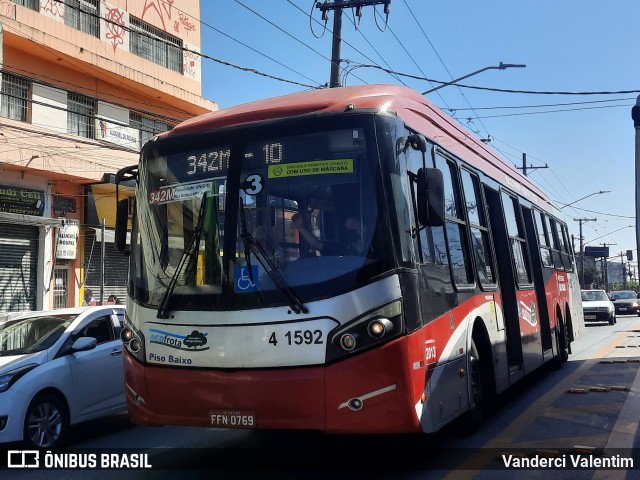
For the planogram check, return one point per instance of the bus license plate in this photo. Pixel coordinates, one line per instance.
(232, 419)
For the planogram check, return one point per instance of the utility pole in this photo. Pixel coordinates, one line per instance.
(635, 115)
(624, 271)
(337, 6)
(580, 222)
(524, 167)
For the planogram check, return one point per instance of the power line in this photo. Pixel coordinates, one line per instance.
(537, 92)
(443, 64)
(454, 109)
(550, 111)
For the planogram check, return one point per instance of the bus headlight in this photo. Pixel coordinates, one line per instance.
(379, 327)
(133, 340)
(348, 342)
(370, 329)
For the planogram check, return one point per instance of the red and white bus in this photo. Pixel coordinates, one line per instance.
(249, 306)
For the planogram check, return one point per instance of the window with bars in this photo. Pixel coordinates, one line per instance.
(148, 127)
(14, 99)
(31, 4)
(83, 15)
(155, 45)
(81, 115)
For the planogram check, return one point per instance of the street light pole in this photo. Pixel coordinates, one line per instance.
(635, 115)
(580, 222)
(502, 66)
(586, 196)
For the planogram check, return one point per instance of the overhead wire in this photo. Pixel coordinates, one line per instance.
(442, 62)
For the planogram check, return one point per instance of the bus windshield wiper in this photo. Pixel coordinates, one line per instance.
(189, 250)
(251, 246)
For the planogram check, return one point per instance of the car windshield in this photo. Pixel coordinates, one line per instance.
(33, 334)
(623, 295)
(594, 296)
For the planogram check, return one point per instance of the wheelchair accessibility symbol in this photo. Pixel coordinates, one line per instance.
(243, 282)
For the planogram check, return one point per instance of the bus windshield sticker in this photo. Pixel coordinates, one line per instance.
(243, 283)
(180, 192)
(252, 185)
(314, 167)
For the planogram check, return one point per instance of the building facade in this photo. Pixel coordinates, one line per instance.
(84, 83)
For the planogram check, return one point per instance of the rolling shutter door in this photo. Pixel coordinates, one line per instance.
(116, 268)
(18, 267)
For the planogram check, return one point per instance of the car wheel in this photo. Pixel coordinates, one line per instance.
(612, 320)
(45, 423)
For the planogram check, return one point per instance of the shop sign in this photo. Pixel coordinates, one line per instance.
(25, 201)
(67, 241)
(127, 137)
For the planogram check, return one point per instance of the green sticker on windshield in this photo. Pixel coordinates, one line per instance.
(315, 167)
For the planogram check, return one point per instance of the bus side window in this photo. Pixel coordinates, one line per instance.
(476, 213)
(543, 239)
(555, 243)
(567, 255)
(405, 193)
(515, 229)
(455, 225)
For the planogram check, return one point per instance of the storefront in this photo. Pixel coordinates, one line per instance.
(25, 239)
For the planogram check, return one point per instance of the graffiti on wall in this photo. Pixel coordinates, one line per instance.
(190, 63)
(52, 8)
(115, 27)
(8, 9)
(163, 11)
(161, 8)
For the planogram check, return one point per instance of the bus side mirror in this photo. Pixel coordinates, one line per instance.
(430, 187)
(122, 223)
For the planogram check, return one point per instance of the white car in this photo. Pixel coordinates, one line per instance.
(598, 307)
(58, 368)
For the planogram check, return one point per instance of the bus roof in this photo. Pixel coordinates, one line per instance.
(414, 109)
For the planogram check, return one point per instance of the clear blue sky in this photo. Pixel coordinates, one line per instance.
(567, 46)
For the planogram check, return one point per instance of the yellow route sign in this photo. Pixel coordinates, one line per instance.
(314, 167)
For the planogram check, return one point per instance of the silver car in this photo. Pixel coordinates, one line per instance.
(58, 368)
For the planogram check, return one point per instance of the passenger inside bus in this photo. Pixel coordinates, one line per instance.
(353, 244)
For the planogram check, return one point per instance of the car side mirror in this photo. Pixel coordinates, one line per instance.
(83, 344)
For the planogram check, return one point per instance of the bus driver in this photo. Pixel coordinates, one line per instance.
(354, 231)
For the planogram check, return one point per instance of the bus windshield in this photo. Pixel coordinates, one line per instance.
(256, 221)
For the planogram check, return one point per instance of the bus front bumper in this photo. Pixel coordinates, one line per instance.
(368, 393)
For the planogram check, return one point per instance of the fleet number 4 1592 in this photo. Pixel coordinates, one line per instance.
(298, 337)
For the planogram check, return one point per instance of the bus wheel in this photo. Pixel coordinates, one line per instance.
(478, 373)
(561, 343)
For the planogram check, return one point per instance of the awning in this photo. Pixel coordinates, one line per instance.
(30, 220)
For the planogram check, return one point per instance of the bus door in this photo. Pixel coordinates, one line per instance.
(542, 264)
(508, 284)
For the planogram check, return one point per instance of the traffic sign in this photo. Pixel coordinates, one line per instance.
(596, 251)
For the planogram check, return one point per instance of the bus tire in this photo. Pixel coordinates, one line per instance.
(557, 361)
(561, 344)
(479, 374)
